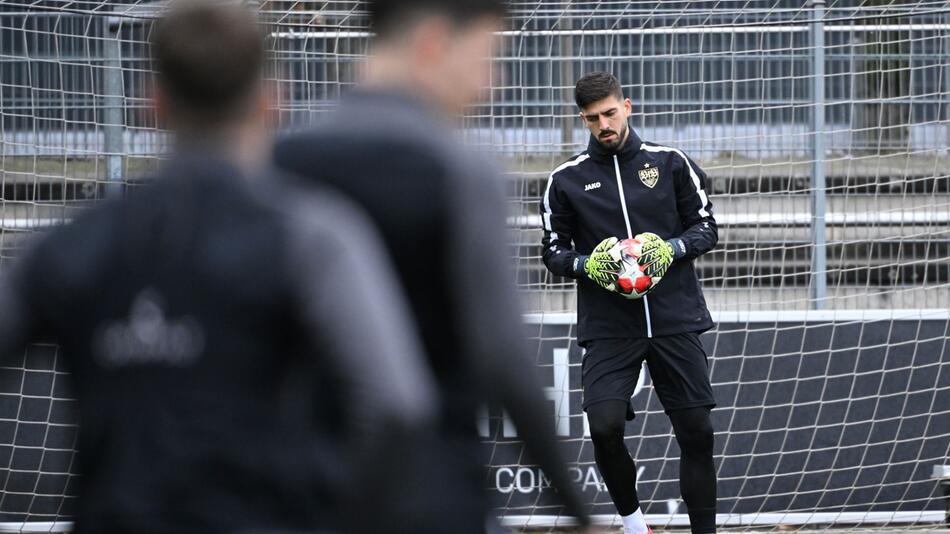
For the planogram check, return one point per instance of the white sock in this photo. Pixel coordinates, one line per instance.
(634, 523)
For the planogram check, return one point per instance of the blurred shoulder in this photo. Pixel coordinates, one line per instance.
(74, 252)
(306, 205)
(376, 129)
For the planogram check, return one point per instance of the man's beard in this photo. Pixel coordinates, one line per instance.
(614, 144)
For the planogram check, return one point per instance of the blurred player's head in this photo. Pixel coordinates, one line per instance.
(603, 108)
(209, 59)
(439, 49)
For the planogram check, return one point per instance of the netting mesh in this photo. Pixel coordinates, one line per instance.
(824, 131)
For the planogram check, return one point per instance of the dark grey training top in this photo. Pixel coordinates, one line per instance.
(441, 210)
(234, 345)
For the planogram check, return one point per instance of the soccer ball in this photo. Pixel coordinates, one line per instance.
(632, 283)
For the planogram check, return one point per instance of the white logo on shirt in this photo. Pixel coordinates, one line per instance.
(148, 337)
(595, 185)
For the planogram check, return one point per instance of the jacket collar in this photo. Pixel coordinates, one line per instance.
(626, 152)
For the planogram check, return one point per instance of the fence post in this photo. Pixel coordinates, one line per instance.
(568, 78)
(113, 121)
(945, 89)
(819, 263)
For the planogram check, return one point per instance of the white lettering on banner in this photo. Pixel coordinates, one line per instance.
(508, 429)
(591, 479)
(543, 481)
(527, 480)
(498, 485)
(523, 479)
(519, 480)
(560, 393)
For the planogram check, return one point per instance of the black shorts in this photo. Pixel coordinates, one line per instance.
(678, 367)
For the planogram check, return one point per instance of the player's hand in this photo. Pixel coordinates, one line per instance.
(601, 267)
(657, 255)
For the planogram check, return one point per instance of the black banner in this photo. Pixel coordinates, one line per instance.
(811, 418)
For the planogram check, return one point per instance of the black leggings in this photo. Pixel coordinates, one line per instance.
(694, 434)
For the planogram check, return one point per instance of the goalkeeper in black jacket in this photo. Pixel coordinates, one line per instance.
(620, 188)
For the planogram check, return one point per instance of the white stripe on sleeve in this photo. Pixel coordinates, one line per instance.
(703, 199)
(546, 219)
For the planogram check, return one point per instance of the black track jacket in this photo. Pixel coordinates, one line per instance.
(643, 187)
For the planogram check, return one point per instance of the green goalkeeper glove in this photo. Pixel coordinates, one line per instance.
(601, 267)
(657, 255)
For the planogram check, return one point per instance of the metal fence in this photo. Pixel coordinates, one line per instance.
(717, 81)
(824, 129)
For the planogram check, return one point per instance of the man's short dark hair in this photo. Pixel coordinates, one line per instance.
(389, 17)
(595, 87)
(209, 59)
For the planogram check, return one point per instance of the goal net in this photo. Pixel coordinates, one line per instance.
(824, 131)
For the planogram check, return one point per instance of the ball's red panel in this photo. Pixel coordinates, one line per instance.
(642, 283)
(626, 285)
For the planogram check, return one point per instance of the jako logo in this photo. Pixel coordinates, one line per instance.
(595, 185)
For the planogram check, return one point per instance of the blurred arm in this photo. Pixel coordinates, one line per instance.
(492, 325)
(351, 301)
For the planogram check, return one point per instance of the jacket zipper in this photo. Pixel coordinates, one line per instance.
(626, 219)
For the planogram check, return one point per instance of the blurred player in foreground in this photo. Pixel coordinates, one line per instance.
(622, 186)
(212, 318)
(390, 145)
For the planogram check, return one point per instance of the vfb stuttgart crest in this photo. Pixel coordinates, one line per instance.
(650, 176)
